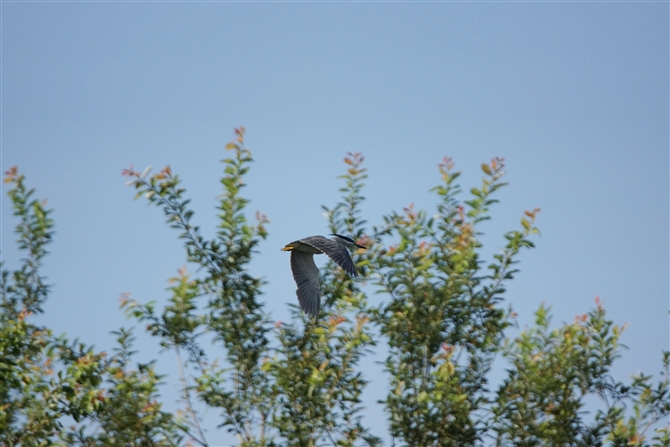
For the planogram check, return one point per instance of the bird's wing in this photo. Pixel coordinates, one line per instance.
(335, 251)
(306, 276)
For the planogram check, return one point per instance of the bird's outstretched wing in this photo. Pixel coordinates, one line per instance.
(306, 276)
(334, 251)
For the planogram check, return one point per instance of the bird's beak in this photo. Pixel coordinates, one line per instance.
(361, 248)
(289, 247)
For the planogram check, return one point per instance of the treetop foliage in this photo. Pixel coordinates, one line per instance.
(443, 324)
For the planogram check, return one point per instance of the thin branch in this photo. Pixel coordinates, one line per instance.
(187, 395)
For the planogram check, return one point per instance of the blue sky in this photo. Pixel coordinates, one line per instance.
(573, 95)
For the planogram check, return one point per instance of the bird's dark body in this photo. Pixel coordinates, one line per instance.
(305, 272)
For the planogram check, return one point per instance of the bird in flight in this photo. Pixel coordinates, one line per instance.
(305, 272)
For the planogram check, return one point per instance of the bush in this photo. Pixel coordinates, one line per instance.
(299, 382)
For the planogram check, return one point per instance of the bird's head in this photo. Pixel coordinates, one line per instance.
(347, 241)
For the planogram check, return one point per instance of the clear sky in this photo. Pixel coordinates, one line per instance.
(573, 95)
